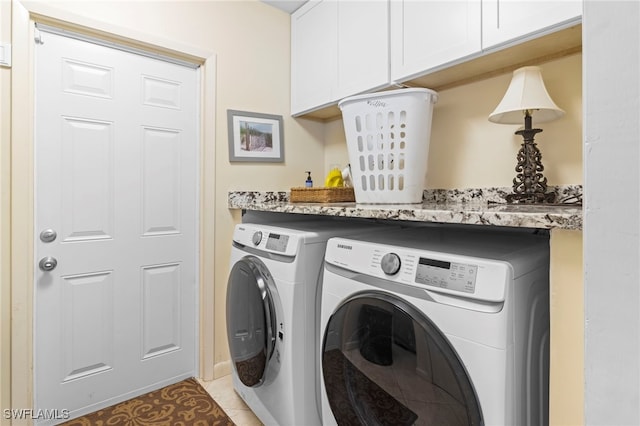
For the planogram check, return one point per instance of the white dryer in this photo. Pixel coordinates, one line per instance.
(436, 327)
(272, 318)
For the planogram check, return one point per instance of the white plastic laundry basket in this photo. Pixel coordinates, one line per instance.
(388, 136)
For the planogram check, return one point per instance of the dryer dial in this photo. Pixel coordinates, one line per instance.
(390, 263)
(257, 238)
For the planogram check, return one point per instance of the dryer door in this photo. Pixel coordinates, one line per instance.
(251, 319)
(384, 362)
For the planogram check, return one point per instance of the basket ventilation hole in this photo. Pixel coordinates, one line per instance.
(380, 161)
(364, 183)
(369, 142)
(362, 165)
(368, 119)
(403, 145)
(380, 144)
(381, 182)
(360, 144)
(358, 123)
(372, 182)
(390, 161)
(390, 182)
(400, 182)
(372, 162)
(401, 162)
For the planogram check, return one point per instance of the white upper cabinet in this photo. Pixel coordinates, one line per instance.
(341, 48)
(505, 21)
(338, 48)
(363, 46)
(427, 34)
(314, 42)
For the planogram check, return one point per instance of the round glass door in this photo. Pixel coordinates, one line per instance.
(251, 319)
(385, 363)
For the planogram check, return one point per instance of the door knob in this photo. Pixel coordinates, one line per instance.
(48, 235)
(48, 263)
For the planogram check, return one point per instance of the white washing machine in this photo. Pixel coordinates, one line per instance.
(272, 318)
(435, 327)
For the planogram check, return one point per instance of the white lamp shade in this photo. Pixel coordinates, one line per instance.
(526, 92)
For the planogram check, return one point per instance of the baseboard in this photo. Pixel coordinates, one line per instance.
(221, 369)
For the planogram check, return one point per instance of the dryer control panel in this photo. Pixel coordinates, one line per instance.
(265, 239)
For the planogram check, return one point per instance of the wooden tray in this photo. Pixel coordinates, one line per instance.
(322, 195)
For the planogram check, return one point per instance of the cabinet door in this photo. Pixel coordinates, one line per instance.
(314, 41)
(363, 46)
(428, 34)
(504, 21)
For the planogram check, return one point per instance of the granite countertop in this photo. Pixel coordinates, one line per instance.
(469, 206)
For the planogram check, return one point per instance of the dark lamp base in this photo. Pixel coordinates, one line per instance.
(535, 198)
(529, 185)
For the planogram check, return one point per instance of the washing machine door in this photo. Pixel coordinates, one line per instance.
(385, 363)
(251, 320)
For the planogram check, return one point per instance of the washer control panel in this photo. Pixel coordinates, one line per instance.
(277, 242)
(449, 275)
(430, 270)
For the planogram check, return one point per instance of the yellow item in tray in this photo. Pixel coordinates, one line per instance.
(334, 178)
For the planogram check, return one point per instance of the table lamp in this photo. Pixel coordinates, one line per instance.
(527, 96)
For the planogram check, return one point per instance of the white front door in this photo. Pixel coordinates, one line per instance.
(116, 163)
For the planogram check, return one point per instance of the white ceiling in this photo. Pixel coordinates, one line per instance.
(288, 6)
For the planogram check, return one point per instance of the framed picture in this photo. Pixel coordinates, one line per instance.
(255, 137)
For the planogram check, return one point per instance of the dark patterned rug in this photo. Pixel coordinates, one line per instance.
(181, 404)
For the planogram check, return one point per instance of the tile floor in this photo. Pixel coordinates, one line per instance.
(221, 390)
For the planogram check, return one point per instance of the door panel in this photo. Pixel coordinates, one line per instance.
(87, 324)
(116, 177)
(87, 179)
(161, 309)
(161, 181)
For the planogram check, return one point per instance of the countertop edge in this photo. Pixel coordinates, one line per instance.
(476, 213)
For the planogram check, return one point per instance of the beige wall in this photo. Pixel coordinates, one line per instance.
(566, 395)
(251, 42)
(468, 151)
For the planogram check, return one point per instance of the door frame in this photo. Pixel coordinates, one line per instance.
(17, 210)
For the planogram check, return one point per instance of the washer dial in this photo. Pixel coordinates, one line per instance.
(390, 263)
(257, 238)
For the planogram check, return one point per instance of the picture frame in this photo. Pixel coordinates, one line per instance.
(255, 137)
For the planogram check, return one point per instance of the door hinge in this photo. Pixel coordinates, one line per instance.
(5, 54)
(38, 37)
